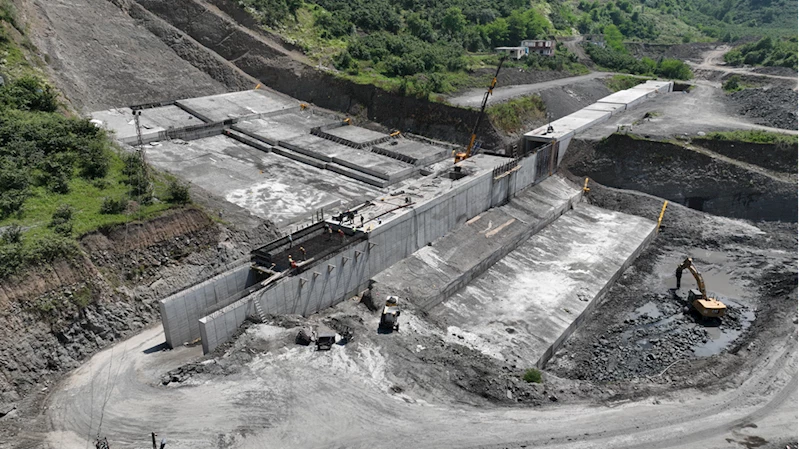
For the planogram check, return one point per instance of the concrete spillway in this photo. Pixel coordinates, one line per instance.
(284, 161)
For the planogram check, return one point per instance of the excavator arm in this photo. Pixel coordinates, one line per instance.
(688, 264)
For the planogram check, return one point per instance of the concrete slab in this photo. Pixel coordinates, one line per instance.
(566, 127)
(356, 134)
(216, 108)
(153, 120)
(527, 304)
(613, 108)
(362, 160)
(266, 184)
(412, 151)
(628, 97)
(434, 272)
(660, 86)
(281, 127)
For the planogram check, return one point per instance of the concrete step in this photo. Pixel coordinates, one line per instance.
(247, 140)
(357, 174)
(543, 290)
(486, 238)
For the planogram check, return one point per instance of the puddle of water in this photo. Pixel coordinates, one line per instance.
(719, 338)
(716, 269)
(649, 309)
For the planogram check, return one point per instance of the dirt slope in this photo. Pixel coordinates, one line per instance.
(100, 58)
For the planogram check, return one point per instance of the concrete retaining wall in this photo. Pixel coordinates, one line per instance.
(348, 272)
(180, 312)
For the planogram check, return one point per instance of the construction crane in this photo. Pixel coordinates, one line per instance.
(706, 307)
(468, 152)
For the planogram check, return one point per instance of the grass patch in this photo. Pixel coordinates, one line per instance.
(623, 82)
(511, 115)
(532, 375)
(86, 199)
(753, 136)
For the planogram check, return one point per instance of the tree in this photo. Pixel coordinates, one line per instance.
(613, 38)
(498, 32)
(453, 21)
(420, 27)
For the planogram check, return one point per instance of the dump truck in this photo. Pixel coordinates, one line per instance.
(698, 299)
(389, 319)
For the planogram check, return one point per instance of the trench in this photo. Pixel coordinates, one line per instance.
(686, 177)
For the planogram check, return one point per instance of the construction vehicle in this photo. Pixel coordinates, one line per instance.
(389, 319)
(324, 337)
(697, 298)
(462, 155)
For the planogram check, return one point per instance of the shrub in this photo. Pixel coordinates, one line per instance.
(11, 259)
(29, 93)
(674, 69)
(511, 115)
(178, 192)
(112, 206)
(62, 220)
(138, 177)
(95, 160)
(12, 234)
(48, 249)
(14, 181)
(532, 375)
(732, 84)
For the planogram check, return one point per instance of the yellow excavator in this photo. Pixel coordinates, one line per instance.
(467, 153)
(706, 307)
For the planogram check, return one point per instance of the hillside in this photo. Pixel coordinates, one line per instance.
(432, 47)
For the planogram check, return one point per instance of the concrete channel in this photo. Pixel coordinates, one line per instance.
(413, 211)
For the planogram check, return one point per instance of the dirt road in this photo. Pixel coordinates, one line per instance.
(474, 97)
(679, 113)
(714, 61)
(295, 397)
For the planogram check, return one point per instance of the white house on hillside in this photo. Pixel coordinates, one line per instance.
(545, 47)
(513, 52)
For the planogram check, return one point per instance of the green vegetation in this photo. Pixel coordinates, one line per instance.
(532, 375)
(754, 136)
(622, 62)
(416, 47)
(732, 84)
(60, 176)
(622, 82)
(400, 45)
(765, 52)
(511, 115)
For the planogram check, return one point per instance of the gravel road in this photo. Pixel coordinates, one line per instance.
(474, 97)
(298, 398)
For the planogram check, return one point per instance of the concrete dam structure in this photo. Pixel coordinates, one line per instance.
(366, 205)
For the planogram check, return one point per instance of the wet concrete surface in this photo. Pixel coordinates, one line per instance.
(542, 288)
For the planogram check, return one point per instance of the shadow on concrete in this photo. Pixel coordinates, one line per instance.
(157, 348)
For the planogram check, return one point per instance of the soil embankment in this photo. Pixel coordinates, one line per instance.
(52, 317)
(684, 176)
(100, 58)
